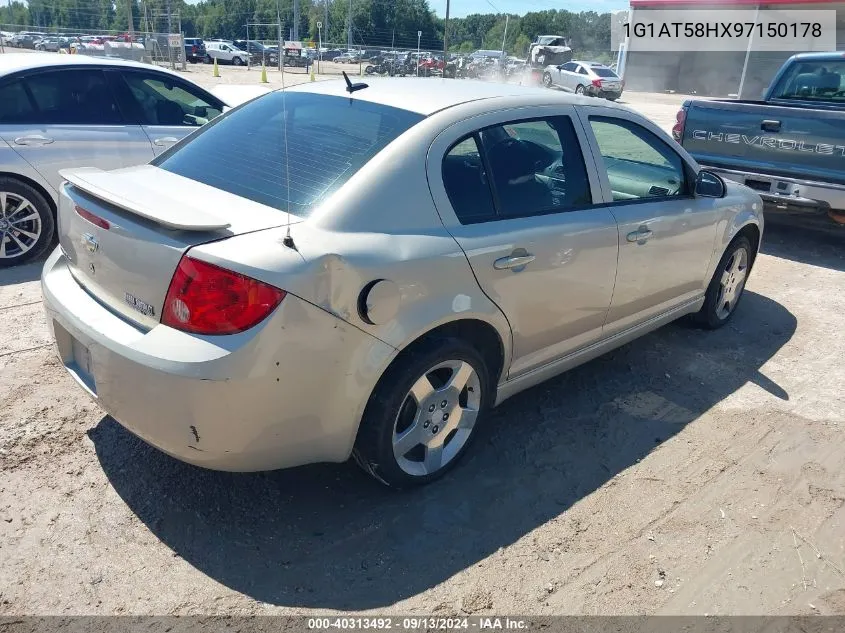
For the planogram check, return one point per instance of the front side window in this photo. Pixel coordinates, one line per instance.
(569, 66)
(813, 80)
(73, 97)
(639, 164)
(163, 101)
(289, 150)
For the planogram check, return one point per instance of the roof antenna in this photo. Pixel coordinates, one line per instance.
(350, 87)
(288, 241)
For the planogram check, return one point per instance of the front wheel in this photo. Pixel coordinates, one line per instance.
(26, 223)
(422, 416)
(547, 80)
(727, 286)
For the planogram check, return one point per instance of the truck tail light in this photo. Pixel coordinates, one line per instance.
(680, 122)
(207, 299)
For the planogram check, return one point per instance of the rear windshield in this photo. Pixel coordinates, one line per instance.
(813, 80)
(248, 153)
(604, 72)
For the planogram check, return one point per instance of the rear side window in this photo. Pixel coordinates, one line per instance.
(288, 162)
(15, 106)
(73, 97)
(813, 80)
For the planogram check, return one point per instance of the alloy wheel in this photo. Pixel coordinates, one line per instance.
(732, 283)
(20, 225)
(436, 418)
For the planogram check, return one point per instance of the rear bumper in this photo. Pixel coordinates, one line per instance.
(790, 193)
(289, 392)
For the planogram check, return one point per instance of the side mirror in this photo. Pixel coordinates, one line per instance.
(710, 185)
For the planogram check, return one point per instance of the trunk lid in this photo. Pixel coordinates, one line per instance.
(124, 231)
(798, 142)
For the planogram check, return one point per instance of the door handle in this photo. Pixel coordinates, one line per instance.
(165, 140)
(33, 139)
(770, 126)
(513, 261)
(640, 236)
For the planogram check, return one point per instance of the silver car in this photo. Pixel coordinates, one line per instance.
(338, 270)
(585, 78)
(60, 111)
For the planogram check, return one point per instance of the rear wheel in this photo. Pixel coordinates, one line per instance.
(727, 285)
(422, 415)
(579, 90)
(26, 223)
(237, 61)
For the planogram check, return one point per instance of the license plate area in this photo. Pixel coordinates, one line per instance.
(76, 357)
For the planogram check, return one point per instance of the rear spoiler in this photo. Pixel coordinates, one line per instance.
(143, 201)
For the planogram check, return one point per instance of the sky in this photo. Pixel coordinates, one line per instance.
(462, 8)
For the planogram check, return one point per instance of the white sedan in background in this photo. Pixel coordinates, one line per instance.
(59, 111)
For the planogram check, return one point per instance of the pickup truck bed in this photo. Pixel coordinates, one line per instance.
(791, 150)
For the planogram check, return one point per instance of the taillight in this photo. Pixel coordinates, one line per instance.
(206, 299)
(194, 50)
(597, 83)
(680, 121)
(96, 220)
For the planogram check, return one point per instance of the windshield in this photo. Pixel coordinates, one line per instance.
(328, 140)
(813, 80)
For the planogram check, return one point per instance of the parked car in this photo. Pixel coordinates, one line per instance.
(194, 49)
(26, 39)
(789, 147)
(585, 78)
(225, 53)
(211, 323)
(348, 58)
(50, 44)
(260, 53)
(58, 111)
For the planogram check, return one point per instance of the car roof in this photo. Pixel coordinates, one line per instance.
(13, 62)
(590, 64)
(429, 95)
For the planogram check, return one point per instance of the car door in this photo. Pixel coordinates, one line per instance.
(167, 107)
(565, 76)
(69, 118)
(521, 208)
(667, 236)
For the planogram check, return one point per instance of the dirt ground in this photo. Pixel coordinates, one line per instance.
(686, 473)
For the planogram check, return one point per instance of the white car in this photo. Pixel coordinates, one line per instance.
(112, 113)
(227, 53)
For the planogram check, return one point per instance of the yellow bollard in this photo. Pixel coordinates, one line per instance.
(264, 74)
(216, 69)
(313, 78)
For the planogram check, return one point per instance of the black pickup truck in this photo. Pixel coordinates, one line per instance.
(789, 147)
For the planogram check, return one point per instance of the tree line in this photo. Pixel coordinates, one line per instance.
(375, 23)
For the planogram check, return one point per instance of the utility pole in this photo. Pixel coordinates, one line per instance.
(326, 21)
(349, 35)
(296, 20)
(131, 20)
(169, 31)
(505, 36)
(446, 37)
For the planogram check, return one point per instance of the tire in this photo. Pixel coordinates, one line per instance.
(208, 60)
(727, 285)
(612, 98)
(547, 80)
(579, 89)
(393, 414)
(14, 216)
(370, 70)
(237, 61)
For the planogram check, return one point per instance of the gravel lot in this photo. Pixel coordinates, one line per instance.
(686, 473)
